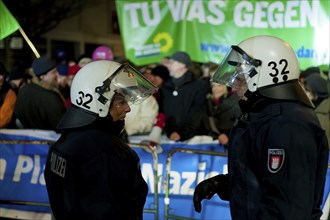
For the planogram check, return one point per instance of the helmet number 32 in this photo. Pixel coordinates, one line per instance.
(279, 67)
(84, 99)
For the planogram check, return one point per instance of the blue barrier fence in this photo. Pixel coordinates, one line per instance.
(22, 185)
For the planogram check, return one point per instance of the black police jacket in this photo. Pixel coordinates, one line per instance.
(277, 163)
(91, 174)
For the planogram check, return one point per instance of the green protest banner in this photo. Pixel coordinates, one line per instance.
(206, 29)
(8, 23)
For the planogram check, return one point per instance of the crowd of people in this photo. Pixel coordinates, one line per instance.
(182, 95)
(250, 112)
(186, 103)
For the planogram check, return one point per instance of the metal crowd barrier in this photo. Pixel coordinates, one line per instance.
(25, 203)
(168, 172)
(154, 210)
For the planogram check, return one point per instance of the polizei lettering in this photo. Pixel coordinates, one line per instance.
(58, 165)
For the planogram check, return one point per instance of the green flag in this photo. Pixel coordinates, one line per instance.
(206, 29)
(8, 23)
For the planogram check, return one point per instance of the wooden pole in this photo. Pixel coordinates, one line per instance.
(29, 42)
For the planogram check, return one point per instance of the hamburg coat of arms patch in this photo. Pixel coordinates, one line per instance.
(276, 159)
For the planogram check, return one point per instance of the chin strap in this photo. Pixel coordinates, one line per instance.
(255, 101)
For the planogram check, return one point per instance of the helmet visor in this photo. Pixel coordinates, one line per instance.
(236, 64)
(130, 83)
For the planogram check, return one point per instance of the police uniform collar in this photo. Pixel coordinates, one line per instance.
(76, 117)
(255, 102)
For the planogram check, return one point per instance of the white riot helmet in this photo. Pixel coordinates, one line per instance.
(269, 66)
(94, 86)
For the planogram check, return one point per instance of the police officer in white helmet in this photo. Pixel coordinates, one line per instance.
(90, 172)
(277, 153)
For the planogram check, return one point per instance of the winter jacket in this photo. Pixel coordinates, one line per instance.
(92, 174)
(141, 117)
(323, 114)
(278, 156)
(223, 114)
(38, 107)
(182, 98)
(7, 105)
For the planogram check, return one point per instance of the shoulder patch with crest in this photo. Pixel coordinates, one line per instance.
(276, 159)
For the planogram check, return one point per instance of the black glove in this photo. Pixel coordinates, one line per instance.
(207, 188)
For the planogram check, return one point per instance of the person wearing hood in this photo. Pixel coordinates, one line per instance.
(91, 173)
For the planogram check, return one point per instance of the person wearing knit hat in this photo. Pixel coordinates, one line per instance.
(182, 57)
(305, 73)
(317, 90)
(3, 70)
(73, 69)
(18, 72)
(42, 66)
(183, 93)
(39, 104)
(62, 69)
(8, 95)
(3, 75)
(18, 76)
(310, 70)
(160, 75)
